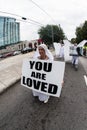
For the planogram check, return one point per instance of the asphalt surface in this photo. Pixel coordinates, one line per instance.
(19, 110)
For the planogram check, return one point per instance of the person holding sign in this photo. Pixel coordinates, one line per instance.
(75, 56)
(42, 53)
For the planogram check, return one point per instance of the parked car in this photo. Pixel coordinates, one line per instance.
(26, 49)
(1, 56)
(7, 54)
(16, 53)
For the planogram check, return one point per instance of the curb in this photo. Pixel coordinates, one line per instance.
(5, 88)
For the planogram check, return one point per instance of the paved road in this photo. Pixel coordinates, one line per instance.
(19, 110)
(83, 61)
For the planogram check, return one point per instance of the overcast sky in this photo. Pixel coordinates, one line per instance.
(68, 13)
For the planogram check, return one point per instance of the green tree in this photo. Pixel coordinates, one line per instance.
(81, 32)
(84, 31)
(51, 33)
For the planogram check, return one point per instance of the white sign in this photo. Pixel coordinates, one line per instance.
(73, 51)
(67, 45)
(57, 47)
(43, 76)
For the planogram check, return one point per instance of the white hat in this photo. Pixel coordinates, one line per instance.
(48, 53)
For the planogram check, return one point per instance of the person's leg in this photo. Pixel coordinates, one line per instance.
(35, 94)
(43, 97)
(73, 60)
(76, 63)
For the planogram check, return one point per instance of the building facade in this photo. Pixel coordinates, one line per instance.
(9, 31)
(35, 43)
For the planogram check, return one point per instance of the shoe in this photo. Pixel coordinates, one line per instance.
(76, 67)
(46, 100)
(73, 65)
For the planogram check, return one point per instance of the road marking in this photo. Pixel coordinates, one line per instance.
(85, 77)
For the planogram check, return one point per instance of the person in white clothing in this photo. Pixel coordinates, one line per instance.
(42, 53)
(61, 52)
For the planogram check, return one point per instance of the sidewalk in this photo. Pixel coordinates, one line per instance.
(10, 70)
(83, 61)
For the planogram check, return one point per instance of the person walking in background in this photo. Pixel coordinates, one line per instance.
(42, 53)
(61, 52)
(75, 56)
